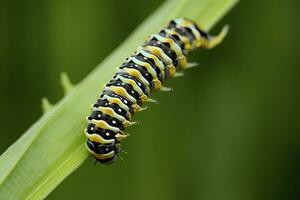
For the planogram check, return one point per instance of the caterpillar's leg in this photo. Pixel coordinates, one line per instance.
(191, 65)
(212, 41)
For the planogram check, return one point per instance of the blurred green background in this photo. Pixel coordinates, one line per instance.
(229, 130)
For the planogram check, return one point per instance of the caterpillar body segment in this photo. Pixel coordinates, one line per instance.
(135, 73)
(182, 40)
(162, 56)
(142, 96)
(156, 62)
(174, 46)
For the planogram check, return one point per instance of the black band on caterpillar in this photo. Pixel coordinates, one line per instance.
(159, 58)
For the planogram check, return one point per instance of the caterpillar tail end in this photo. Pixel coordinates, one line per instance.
(213, 41)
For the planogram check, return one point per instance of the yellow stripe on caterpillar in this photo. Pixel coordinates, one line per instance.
(102, 156)
(120, 91)
(170, 68)
(109, 111)
(156, 82)
(116, 101)
(136, 74)
(112, 113)
(143, 64)
(188, 24)
(173, 45)
(103, 125)
(158, 63)
(160, 53)
(185, 40)
(133, 84)
(97, 138)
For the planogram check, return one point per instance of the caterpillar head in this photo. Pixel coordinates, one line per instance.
(103, 153)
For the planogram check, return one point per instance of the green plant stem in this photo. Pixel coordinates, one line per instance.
(54, 146)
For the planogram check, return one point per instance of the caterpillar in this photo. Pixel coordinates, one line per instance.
(161, 57)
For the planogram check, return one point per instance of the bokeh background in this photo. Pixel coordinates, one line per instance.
(229, 130)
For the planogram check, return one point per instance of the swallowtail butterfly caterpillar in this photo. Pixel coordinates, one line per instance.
(161, 57)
